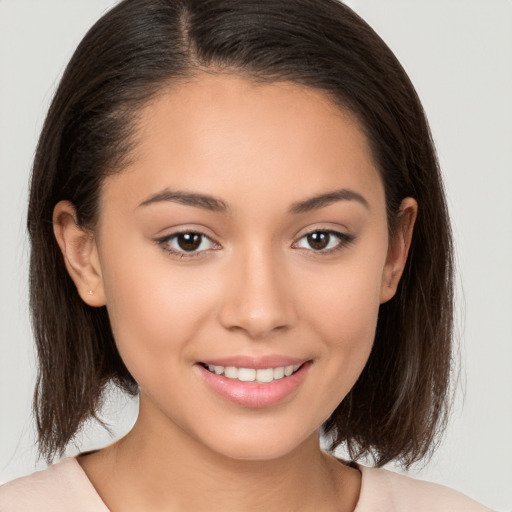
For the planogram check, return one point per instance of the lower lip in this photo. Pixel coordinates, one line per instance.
(254, 394)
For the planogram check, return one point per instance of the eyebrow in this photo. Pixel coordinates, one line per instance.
(327, 199)
(188, 199)
(214, 204)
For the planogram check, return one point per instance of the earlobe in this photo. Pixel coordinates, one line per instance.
(80, 254)
(399, 244)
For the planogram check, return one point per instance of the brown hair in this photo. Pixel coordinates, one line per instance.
(399, 403)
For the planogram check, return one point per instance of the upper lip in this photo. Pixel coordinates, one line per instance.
(257, 362)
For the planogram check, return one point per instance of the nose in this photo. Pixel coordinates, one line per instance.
(257, 300)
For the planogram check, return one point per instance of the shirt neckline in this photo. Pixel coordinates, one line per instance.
(91, 489)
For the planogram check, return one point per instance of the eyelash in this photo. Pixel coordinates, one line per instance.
(344, 241)
(164, 244)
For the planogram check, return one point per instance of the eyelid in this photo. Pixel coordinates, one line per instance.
(163, 243)
(344, 238)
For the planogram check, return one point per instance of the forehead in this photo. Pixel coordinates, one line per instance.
(245, 141)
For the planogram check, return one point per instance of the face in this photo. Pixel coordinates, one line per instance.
(242, 257)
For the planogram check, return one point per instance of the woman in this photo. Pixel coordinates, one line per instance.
(236, 212)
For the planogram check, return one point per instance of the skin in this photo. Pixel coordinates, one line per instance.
(256, 287)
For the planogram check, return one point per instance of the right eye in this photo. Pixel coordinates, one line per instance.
(187, 243)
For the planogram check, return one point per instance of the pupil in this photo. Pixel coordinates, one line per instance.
(318, 240)
(189, 241)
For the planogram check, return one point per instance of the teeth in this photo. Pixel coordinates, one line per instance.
(263, 375)
(246, 374)
(266, 375)
(278, 373)
(231, 372)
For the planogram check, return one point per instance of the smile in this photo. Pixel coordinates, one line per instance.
(260, 375)
(255, 383)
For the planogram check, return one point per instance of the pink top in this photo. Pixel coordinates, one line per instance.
(64, 486)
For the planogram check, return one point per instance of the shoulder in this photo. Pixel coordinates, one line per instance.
(386, 491)
(61, 487)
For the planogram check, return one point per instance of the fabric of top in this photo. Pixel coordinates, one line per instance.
(65, 486)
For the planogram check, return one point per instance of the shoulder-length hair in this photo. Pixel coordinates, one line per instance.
(398, 405)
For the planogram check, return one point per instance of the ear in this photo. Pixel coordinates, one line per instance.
(80, 254)
(399, 244)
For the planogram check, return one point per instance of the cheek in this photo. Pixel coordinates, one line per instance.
(346, 305)
(348, 327)
(344, 312)
(343, 321)
(154, 307)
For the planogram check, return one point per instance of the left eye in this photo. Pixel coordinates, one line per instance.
(187, 242)
(322, 240)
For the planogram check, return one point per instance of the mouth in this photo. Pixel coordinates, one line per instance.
(259, 375)
(255, 383)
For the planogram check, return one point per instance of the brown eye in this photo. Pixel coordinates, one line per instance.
(319, 240)
(189, 241)
(324, 241)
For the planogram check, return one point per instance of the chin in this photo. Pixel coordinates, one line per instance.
(261, 447)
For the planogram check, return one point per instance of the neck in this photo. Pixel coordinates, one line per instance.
(160, 469)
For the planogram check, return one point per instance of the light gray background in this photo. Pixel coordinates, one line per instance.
(459, 55)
